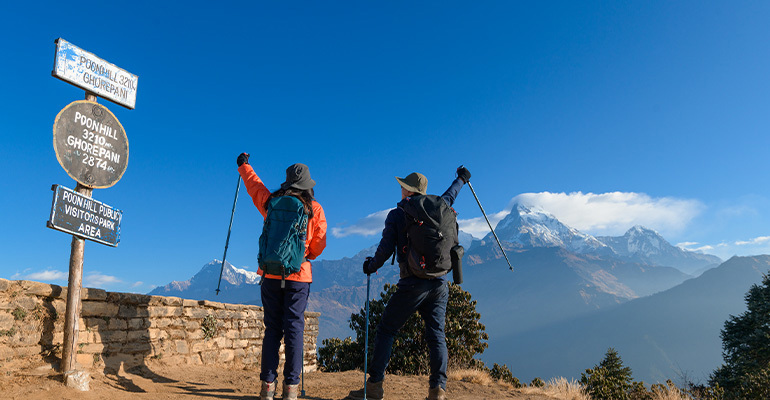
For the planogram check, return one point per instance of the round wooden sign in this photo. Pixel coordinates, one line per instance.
(90, 144)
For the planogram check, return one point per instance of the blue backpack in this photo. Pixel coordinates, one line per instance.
(282, 243)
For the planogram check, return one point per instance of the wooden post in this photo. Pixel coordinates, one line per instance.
(74, 285)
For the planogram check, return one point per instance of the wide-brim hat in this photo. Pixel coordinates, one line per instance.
(298, 177)
(414, 182)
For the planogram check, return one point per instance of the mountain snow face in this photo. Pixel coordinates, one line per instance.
(235, 275)
(531, 227)
(638, 241)
(202, 285)
(646, 246)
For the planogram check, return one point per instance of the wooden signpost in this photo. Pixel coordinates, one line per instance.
(91, 145)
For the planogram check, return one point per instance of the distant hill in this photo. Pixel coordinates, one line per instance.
(659, 337)
(551, 284)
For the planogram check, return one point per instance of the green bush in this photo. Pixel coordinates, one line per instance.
(340, 355)
(537, 382)
(465, 338)
(209, 327)
(504, 374)
(19, 313)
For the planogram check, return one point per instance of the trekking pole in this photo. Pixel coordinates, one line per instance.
(227, 242)
(366, 332)
(490, 226)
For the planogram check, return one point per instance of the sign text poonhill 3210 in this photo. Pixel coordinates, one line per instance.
(89, 72)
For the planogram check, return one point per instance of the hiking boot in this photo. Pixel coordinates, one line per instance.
(436, 393)
(268, 391)
(374, 391)
(290, 392)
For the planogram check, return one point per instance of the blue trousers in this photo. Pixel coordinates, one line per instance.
(429, 298)
(284, 311)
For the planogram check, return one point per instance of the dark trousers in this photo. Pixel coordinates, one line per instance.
(284, 311)
(429, 298)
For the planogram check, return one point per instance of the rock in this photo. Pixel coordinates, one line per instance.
(78, 380)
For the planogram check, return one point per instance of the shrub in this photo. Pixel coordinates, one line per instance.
(504, 374)
(340, 355)
(209, 327)
(19, 313)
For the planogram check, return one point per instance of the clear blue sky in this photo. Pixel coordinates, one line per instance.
(645, 112)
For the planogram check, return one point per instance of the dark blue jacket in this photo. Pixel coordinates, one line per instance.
(394, 234)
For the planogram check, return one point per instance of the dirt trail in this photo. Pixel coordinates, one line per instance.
(206, 382)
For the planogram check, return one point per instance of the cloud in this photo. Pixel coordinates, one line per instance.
(755, 241)
(370, 225)
(99, 280)
(610, 213)
(478, 227)
(48, 275)
(700, 249)
(137, 284)
(614, 213)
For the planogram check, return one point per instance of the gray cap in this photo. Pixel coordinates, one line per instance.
(414, 182)
(298, 177)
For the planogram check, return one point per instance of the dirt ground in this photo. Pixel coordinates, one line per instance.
(157, 381)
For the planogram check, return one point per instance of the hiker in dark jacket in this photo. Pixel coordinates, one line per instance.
(427, 296)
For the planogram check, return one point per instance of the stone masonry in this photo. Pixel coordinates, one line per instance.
(126, 329)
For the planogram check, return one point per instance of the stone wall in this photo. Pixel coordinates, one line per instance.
(125, 329)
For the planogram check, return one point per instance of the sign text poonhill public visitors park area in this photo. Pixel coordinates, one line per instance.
(83, 216)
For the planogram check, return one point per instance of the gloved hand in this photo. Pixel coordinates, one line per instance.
(464, 174)
(243, 158)
(368, 267)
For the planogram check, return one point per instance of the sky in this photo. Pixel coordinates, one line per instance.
(606, 114)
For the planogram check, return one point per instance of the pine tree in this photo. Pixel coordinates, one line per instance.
(746, 348)
(609, 380)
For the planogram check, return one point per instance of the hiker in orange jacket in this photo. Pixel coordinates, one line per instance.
(284, 308)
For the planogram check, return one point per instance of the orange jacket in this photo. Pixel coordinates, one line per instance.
(316, 226)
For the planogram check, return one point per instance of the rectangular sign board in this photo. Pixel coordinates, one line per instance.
(85, 217)
(89, 72)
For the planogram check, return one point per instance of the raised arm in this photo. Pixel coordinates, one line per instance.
(257, 190)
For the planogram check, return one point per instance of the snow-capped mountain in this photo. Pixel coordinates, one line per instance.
(528, 227)
(238, 285)
(643, 245)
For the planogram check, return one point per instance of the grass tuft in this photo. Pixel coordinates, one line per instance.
(476, 376)
(560, 388)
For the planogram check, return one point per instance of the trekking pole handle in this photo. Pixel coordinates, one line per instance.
(229, 229)
(490, 226)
